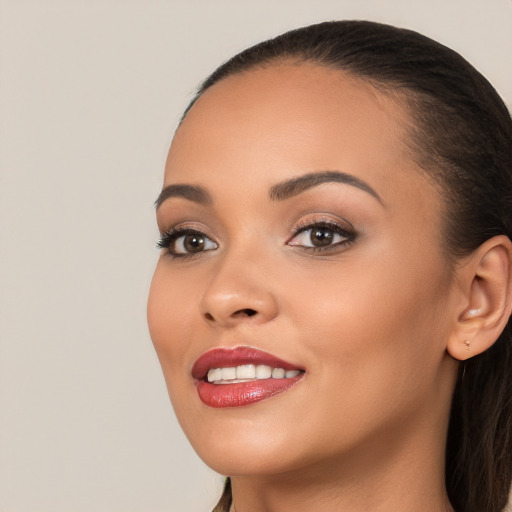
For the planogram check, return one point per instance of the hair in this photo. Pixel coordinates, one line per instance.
(461, 136)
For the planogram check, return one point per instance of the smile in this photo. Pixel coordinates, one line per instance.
(240, 376)
(247, 372)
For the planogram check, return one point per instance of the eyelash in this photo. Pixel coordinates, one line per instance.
(348, 234)
(170, 236)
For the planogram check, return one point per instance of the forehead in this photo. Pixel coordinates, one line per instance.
(272, 123)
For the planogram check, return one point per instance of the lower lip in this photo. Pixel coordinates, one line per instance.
(242, 393)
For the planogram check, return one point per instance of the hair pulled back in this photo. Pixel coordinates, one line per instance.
(461, 136)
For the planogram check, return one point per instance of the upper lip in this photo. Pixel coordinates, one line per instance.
(225, 357)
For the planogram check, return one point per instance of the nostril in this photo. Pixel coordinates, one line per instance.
(244, 312)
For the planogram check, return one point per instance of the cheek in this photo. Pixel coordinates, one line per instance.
(170, 306)
(374, 323)
(370, 341)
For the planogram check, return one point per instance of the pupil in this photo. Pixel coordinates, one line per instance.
(193, 243)
(321, 237)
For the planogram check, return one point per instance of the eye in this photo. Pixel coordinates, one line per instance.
(185, 242)
(321, 235)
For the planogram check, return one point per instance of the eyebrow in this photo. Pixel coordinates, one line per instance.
(191, 192)
(295, 186)
(278, 192)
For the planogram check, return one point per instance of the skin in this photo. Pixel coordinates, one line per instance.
(370, 320)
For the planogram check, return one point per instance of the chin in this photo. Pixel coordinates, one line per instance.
(246, 458)
(232, 444)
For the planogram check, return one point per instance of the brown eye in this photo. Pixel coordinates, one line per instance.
(186, 242)
(193, 242)
(321, 237)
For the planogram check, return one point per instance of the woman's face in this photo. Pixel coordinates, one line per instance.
(308, 234)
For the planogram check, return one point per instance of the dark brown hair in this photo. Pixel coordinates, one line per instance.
(461, 135)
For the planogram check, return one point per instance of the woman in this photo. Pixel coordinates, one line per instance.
(331, 306)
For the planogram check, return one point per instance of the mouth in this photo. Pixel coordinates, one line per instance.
(240, 376)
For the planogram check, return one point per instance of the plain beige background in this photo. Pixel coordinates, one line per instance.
(90, 93)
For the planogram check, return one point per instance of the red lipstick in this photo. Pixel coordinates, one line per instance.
(248, 391)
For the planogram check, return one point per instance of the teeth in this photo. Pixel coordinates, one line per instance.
(278, 373)
(228, 373)
(215, 374)
(263, 372)
(248, 372)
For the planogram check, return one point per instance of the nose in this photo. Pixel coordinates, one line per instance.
(237, 293)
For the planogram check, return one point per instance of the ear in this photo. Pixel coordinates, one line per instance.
(486, 283)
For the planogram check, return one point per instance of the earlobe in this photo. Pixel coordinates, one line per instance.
(488, 299)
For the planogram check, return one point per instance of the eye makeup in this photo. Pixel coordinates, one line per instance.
(183, 241)
(318, 235)
(321, 235)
